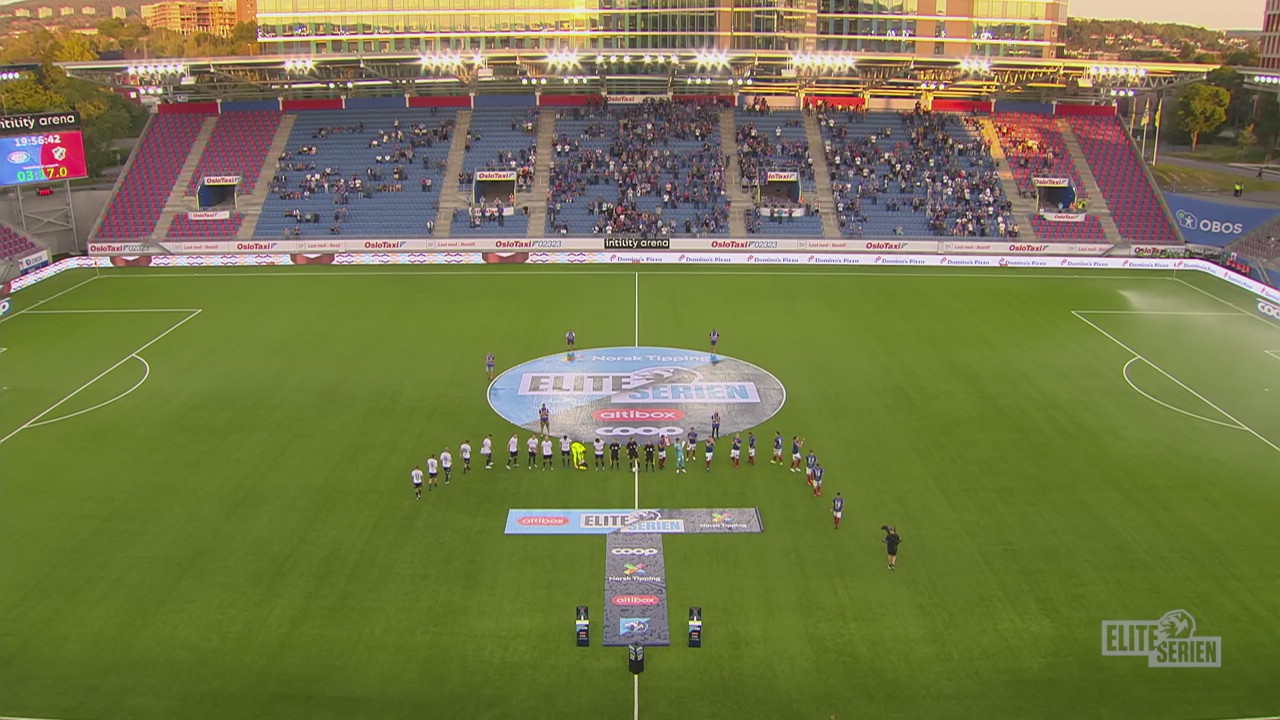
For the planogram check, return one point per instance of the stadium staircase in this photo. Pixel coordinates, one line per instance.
(177, 201)
(124, 171)
(251, 205)
(739, 201)
(1023, 207)
(450, 197)
(1097, 201)
(822, 173)
(542, 174)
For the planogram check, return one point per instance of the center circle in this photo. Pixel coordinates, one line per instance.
(639, 392)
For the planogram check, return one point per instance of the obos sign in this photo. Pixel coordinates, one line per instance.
(640, 392)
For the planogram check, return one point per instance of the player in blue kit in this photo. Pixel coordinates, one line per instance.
(777, 448)
(810, 462)
(715, 339)
(711, 450)
(837, 509)
(797, 442)
(693, 444)
(817, 480)
(571, 339)
(751, 448)
(715, 424)
(735, 452)
(488, 365)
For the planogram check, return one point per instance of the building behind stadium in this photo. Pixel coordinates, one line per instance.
(946, 28)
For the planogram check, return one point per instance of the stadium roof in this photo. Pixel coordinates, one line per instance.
(614, 72)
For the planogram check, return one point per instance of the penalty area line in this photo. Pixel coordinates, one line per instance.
(146, 372)
(56, 295)
(1178, 382)
(1158, 401)
(33, 421)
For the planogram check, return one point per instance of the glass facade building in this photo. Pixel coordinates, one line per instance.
(958, 28)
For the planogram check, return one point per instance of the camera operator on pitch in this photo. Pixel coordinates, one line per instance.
(891, 540)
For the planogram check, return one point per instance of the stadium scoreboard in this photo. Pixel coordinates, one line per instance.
(41, 148)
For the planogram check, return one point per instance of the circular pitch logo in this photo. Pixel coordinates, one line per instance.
(639, 392)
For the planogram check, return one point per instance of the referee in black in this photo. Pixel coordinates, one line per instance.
(891, 540)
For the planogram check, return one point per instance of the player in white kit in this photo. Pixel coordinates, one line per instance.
(432, 470)
(417, 482)
(446, 462)
(486, 449)
(465, 450)
(532, 445)
(513, 447)
(599, 446)
(547, 464)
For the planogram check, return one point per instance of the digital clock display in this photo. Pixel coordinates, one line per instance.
(42, 157)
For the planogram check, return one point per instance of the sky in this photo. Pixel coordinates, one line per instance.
(1220, 15)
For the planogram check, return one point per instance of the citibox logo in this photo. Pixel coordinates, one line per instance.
(643, 392)
(635, 600)
(544, 520)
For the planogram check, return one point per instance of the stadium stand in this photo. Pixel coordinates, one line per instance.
(158, 159)
(238, 146)
(365, 174)
(14, 244)
(1089, 229)
(498, 140)
(914, 174)
(1035, 148)
(184, 227)
(1137, 211)
(1260, 243)
(653, 169)
(774, 140)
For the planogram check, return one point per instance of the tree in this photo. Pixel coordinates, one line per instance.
(1202, 109)
(1246, 139)
(1268, 124)
(73, 47)
(1241, 108)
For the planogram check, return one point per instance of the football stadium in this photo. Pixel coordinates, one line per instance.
(405, 355)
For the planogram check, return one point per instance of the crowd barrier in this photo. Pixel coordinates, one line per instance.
(774, 259)
(973, 246)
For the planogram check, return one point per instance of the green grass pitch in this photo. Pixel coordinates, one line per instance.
(236, 536)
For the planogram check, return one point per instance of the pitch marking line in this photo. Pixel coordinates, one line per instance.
(1238, 310)
(1058, 275)
(146, 372)
(112, 311)
(51, 297)
(635, 694)
(1158, 401)
(1273, 353)
(1180, 384)
(33, 421)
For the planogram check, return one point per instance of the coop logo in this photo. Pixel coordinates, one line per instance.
(544, 520)
(648, 430)
(636, 391)
(1268, 309)
(1188, 221)
(1170, 641)
(642, 552)
(635, 600)
(19, 157)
